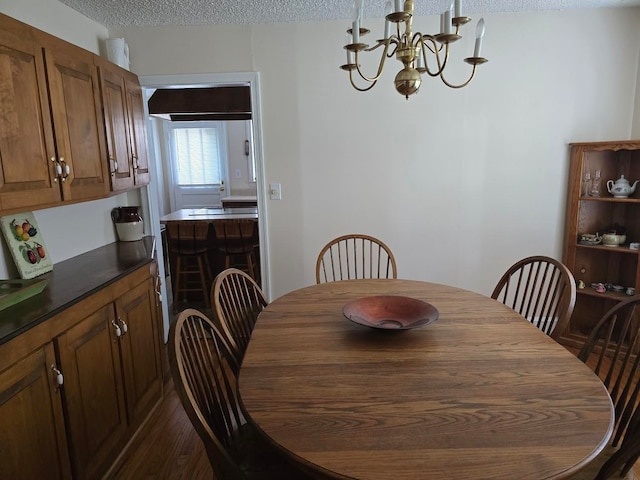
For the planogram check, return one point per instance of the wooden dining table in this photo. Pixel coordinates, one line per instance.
(478, 394)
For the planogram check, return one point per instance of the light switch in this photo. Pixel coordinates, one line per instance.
(275, 190)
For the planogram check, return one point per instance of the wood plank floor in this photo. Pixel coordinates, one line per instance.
(167, 448)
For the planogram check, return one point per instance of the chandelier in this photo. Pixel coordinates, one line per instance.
(414, 50)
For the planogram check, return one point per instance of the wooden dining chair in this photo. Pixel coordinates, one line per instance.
(355, 256)
(237, 301)
(542, 290)
(189, 250)
(611, 350)
(203, 367)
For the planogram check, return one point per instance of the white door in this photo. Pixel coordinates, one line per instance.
(198, 152)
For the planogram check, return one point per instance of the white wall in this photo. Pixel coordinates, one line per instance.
(460, 183)
(636, 117)
(70, 230)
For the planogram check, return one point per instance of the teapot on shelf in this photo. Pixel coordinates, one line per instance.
(621, 188)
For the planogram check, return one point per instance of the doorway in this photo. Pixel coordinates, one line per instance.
(154, 199)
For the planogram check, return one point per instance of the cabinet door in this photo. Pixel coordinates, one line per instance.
(77, 119)
(140, 350)
(32, 444)
(137, 126)
(114, 99)
(94, 394)
(27, 174)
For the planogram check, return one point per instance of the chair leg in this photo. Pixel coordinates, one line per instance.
(176, 284)
(203, 280)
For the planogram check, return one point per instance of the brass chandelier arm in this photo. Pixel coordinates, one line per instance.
(380, 66)
(360, 89)
(436, 53)
(444, 80)
(419, 38)
(391, 40)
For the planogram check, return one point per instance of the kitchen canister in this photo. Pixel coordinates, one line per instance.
(128, 222)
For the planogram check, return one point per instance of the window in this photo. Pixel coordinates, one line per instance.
(199, 153)
(198, 159)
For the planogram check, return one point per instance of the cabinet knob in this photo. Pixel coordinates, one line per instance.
(157, 287)
(134, 160)
(65, 169)
(59, 376)
(117, 327)
(124, 325)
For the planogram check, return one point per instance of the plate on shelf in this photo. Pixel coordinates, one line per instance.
(590, 240)
(390, 312)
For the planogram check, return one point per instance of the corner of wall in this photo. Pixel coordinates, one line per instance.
(635, 118)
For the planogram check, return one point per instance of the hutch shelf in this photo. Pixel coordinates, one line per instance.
(593, 210)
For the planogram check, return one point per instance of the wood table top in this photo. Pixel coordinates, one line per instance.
(480, 393)
(210, 214)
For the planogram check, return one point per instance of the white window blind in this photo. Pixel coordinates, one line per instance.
(197, 155)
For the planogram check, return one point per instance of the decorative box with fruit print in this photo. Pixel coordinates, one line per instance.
(26, 244)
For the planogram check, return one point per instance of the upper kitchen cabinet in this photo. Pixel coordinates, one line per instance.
(66, 133)
(124, 120)
(28, 159)
(77, 119)
(137, 128)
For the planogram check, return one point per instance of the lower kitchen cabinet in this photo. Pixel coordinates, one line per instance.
(140, 352)
(93, 391)
(75, 388)
(33, 442)
(111, 361)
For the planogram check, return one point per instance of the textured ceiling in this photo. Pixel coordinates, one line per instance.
(115, 13)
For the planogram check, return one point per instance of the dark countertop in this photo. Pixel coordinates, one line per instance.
(73, 280)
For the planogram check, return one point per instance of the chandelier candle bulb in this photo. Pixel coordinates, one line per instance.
(479, 35)
(398, 6)
(447, 21)
(355, 31)
(388, 9)
(420, 61)
(457, 8)
(350, 60)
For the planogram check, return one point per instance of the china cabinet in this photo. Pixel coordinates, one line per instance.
(592, 209)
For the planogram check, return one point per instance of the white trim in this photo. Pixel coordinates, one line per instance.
(252, 79)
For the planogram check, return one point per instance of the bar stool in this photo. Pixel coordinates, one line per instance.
(236, 240)
(189, 247)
